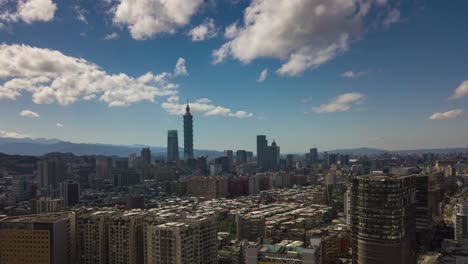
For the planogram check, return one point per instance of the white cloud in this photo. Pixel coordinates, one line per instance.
(81, 14)
(6, 134)
(203, 31)
(28, 11)
(180, 68)
(461, 91)
(263, 76)
(303, 33)
(352, 74)
(340, 103)
(111, 36)
(203, 101)
(147, 18)
(202, 106)
(52, 77)
(392, 18)
(59, 125)
(447, 115)
(28, 113)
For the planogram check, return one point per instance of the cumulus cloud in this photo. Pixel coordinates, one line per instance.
(111, 36)
(27, 11)
(352, 74)
(204, 31)
(7, 134)
(302, 33)
(52, 77)
(29, 113)
(263, 76)
(461, 91)
(447, 115)
(202, 106)
(180, 68)
(340, 103)
(59, 125)
(147, 18)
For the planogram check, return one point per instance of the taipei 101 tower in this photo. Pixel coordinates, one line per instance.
(188, 133)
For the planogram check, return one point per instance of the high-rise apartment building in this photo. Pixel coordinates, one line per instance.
(126, 238)
(145, 157)
(39, 239)
(103, 167)
(93, 235)
(383, 224)
(172, 146)
(188, 134)
(50, 172)
(189, 240)
(132, 160)
(461, 222)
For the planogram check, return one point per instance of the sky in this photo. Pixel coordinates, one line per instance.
(324, 73)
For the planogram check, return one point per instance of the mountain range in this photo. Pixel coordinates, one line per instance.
(41, 146)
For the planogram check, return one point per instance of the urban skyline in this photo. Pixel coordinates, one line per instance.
(395, 79)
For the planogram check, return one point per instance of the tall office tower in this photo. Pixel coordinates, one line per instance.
(241, 157)
(92, 235)
(344, 160)
(172, 146)
(461, 222)
(132, 160)
(70, 192)
(190, 240)
(145, 156)
(383, 224)
(188, 134)
(332, 159)
(126, 238)
(103, 167)
(313, 153)
(41, 239)
(229, 154)
(273, 157)
(290, 161)
(262, 147)
(424, 207)
(50, 172)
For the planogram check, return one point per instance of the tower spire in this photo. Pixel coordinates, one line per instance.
(187, 109)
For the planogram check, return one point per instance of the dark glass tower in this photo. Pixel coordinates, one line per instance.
(188, 134)
(172, 146)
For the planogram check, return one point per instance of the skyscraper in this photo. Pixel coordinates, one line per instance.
(241, 157)
(313, 155)
(70, 192)
(383, 224)
(188, 134)
(172, 145)
(145, 156)
(273, 157)
(262, 146)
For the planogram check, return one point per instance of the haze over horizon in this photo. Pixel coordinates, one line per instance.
(372, 73)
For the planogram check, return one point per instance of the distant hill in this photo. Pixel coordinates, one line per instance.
(39, 147)
(374, 151)
(360, 151)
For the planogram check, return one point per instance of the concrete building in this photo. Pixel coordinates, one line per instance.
(188, 134)
(126, 238)
(145, 157)
(189, 240)
(313, 152)
(103, 167)
(241, 157)
(39, 239)
(44, 205)
(383, 224)
(172, 146)
(132, 160)
(250, 227)
(209, 187)
(93, 236)
(50, 172)
(461, 223)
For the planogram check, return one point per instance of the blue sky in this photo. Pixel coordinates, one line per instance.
(340, 74)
